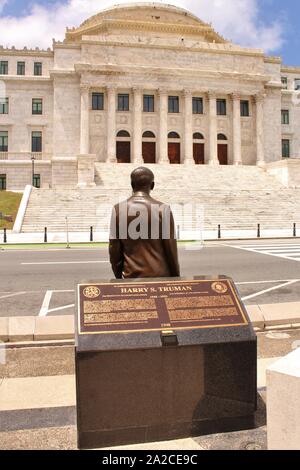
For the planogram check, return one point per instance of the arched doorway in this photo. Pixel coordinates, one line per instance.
(222, 149)
(174, 148)
(198, 148)
(149, 147)
(123, 147)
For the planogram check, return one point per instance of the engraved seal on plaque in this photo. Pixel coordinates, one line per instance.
(219, 287)
(91, 292)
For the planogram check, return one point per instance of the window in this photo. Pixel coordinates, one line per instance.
(36, 181)
(222, 137)
(284, 82)
(97, 101)
(285, 116)
(3, 141)
(198, 136)
(3, 105)
(221, 107)
(197, 106)
(297, 84)
(3, 67)
(38, 68)
(245, 108)
(285, 148)
(36, 142)
(173, 104)
(123, 134)
(37, 106)
(148, 103)
(2, 182)
(123, 102)
(148, 135)
(173, 135)
(21, 68)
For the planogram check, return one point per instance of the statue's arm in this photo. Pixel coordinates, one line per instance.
(115, 246)
(116, 257)
(170, 247)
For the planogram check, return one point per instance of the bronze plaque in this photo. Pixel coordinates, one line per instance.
(156, 306)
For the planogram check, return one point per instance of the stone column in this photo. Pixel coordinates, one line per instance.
(237, 138)
(137, 126)
(188, 128)
(111, 124)
(84, 120)
(260, 159)
(163, 127)
(213, 141)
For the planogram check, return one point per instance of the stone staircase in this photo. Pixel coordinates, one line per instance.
(235, 197)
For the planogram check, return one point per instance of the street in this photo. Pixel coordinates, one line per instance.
(41, 282)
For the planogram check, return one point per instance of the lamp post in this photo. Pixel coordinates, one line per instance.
(32, 160)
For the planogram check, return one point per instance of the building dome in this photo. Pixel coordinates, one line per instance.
(145, 16)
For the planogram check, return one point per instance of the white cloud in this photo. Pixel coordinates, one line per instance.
(236, 20)
(2, 4)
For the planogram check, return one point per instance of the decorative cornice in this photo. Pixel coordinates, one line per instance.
(56, 73)
(25, 78)
(272, 60)
(290, 69)
(201, 30)
(12, 51)
(104, 69)
(274, 85)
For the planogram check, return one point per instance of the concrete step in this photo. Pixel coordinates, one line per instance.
(235, 197)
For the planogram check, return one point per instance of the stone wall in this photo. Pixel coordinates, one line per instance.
(66, 116)
(19, 174)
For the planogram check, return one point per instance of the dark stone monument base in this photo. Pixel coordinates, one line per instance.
(146, 395)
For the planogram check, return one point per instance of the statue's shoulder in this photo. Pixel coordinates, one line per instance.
(163, 205)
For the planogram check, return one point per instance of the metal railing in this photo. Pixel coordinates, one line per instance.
(219, 230)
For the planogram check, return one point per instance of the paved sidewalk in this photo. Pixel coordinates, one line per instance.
(38, 412)
(264, 317)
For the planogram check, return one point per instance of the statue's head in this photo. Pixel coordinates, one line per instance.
(142, 179)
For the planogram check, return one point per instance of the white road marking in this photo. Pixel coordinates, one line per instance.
(269, 245)
(46, 303)
(60, 308)
(248, 297)
(289, 252)
(12, 295)
(63, 262)
(264, 282)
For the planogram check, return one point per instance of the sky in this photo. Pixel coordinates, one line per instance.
(273, 25)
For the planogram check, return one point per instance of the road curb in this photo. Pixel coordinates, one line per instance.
(61, 327)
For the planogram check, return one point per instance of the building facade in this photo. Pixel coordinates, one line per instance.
(142, 83)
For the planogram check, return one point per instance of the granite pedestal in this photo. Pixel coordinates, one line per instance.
(131, 388)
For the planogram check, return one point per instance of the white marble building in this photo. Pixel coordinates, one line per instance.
(142, 82)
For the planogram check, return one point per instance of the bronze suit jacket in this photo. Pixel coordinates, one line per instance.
(144, 255)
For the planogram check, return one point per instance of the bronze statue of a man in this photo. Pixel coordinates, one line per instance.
(142, 234)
